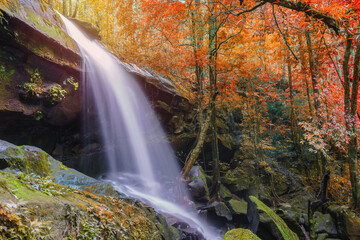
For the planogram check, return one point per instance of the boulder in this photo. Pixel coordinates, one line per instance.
(198, 185)
(34, 208)
(222, 210)
(240, 234)
(347, 221)
(224, 192)
(34, 161)
(238, 206)
(323, 223)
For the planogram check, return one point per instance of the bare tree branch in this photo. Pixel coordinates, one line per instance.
(284, 37)
(308, 10)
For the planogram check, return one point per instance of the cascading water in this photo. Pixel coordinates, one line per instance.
(141, 162)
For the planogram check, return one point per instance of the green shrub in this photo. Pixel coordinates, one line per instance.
(56, 93)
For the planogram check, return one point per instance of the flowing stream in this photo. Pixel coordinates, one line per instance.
(141, 162)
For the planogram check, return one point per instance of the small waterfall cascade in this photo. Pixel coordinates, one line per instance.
(141, 162)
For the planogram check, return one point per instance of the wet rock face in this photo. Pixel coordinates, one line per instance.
(181, 230)
(32, 39)
(90, 30)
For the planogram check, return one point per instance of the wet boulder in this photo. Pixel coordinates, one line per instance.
(34, 161)
(224, 192)
(198, 184)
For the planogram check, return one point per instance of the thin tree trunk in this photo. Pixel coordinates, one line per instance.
(213, 93)
(70, 8)
(313, 73)
(76, 9)
(194, 154)
(350, 109)
(295, 138)
(64, 8)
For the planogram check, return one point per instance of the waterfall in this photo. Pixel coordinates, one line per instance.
(141, 162)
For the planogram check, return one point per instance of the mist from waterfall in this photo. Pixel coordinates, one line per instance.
(141, 162)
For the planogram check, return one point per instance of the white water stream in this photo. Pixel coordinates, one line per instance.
(141, 163)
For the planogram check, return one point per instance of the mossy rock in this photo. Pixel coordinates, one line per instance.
(222, 210)
(324, 224)
(240, 234)
(36, 208)
(224, 192)
(238, 206)
(33, 160)
(24, 159)
(39, 29)
(198, 185)
(348, 222)
(269, 213)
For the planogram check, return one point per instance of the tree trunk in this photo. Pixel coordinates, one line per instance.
(213, 92)
(313, 73)
(70, 8)
(64, 8)
(198, 147)
(295, 138)
(197, 38)
(76, 9)
(350, 104)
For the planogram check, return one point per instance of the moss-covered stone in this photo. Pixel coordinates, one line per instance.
(222, 210)
(26, 160)
(238, 206)
(44, 209)
(224, 192)
(348, 222)
(198, 184)
(323, 223)
(33, 160)
(283, 228)
(240, 234)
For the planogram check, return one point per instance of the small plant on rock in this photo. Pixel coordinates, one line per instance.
(56, 93)
(72, 82)
(35, 87)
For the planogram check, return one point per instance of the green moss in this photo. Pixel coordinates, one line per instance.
(224, 192)
(19, 189)
(284, 229)
(48, 28)
(203, 178)
(28, 161)
(240, 234)
(240, 207)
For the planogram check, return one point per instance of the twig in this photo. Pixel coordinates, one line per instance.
(287, 44)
